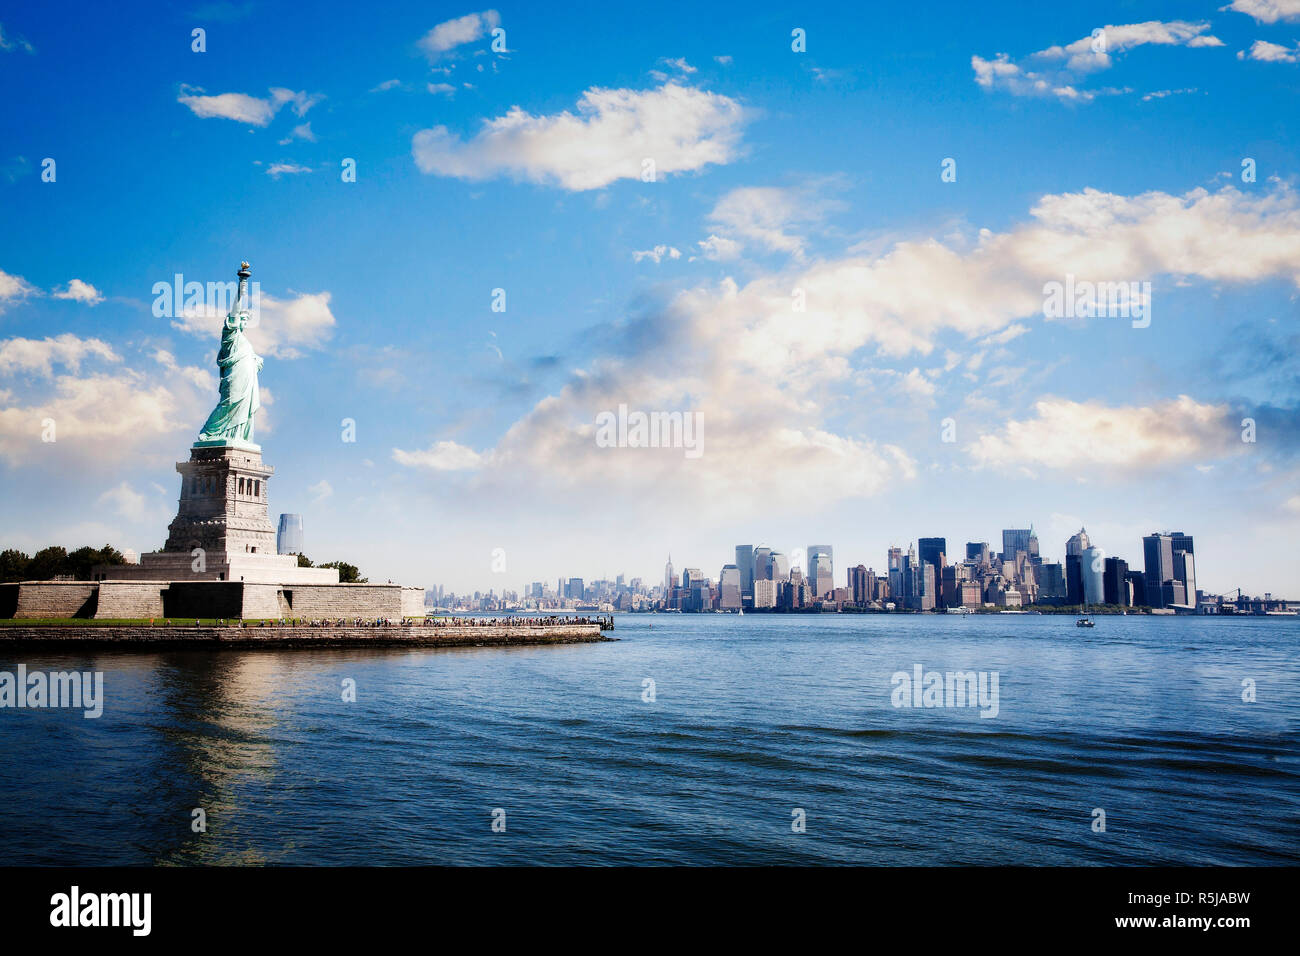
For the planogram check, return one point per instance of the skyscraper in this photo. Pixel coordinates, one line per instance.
(780, 566)
(670, 579)
(1092, 572)
(1170, 569)
(1115, 584)
(288, 540)
(729, 588)
(821, 569)
(1074, 548)
(858, 584)
(745, 562)
(1015, 539)
(933, 551)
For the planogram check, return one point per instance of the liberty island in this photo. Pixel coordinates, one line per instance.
(220, 561)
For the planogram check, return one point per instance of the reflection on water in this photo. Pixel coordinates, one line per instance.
(752, 717)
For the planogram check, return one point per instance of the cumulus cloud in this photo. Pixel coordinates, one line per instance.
(104, 415)
(1267, 11)
(39, 356)
(14, 289)
(242, 107)
(448, 35)
(79, 291)
(1267, 52)
(767, 380)
(1096, 441)
(679, 128)
(282, 328)
(1057, 70)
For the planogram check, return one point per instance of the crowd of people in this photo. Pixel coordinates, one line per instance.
(554, 620)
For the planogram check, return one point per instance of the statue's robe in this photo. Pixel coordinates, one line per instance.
(233, 416)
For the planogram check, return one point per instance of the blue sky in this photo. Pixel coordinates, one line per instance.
(521, 169)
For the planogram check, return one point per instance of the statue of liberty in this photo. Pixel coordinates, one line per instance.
(232, 420)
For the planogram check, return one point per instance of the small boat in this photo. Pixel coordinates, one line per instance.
(1084, 621)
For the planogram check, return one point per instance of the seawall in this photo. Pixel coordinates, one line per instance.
(141, 636)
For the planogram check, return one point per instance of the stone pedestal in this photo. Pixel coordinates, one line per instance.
(223, 504)
(222, 530)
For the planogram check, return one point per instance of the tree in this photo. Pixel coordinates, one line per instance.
(14, 565)
(348, 573)
(54, 560)
(304, 561)
(48, 562)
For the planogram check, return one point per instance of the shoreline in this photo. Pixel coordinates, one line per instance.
(234, 636)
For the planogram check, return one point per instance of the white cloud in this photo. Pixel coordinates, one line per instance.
(657, 254)
(1267, 11)
(283, 328)
(1006, 335)
(128, 503)
(242, 107)
(1096, 441)
(676, 64)
(767, 381)
(320, 491)
(41, 355)
(386, 85)
(14, 289)
(79, 291)
(680, 128)
(1267, 52)
(1161, 94)
(301, 131)
(766, 214)
(441, 456)
(276, 170)
(8, 43)
(1056, 70)
(100, 418)
(442, 88)
(450, 34)
(720, 249)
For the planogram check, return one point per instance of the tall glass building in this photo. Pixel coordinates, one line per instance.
(745, 564)
(288, 540)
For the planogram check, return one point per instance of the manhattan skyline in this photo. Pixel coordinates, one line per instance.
(920, 384)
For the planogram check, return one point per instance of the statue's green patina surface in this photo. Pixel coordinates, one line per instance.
(231, 422)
